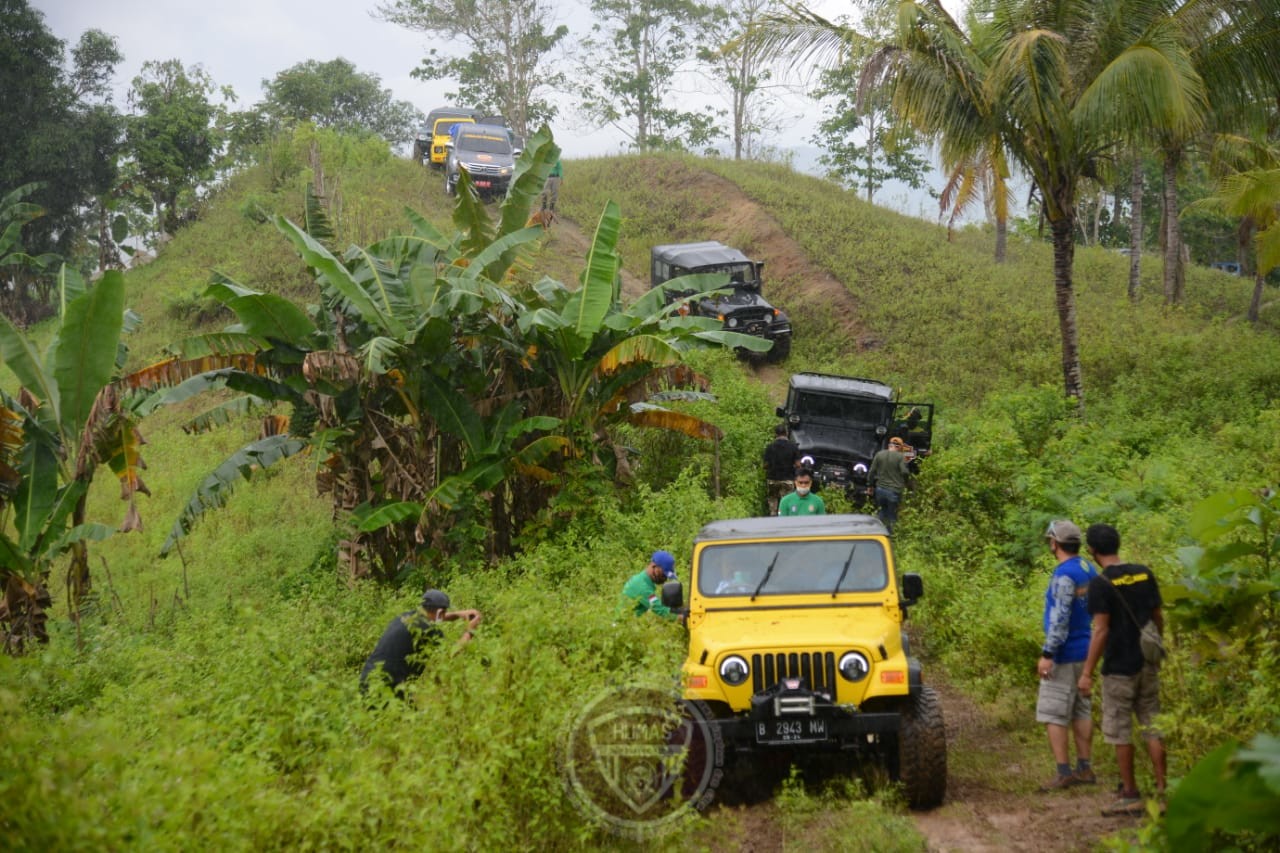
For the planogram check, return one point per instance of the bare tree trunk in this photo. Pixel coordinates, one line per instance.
(1002, 238)
(1172, 228)
(1065, 299)
(1116, 209)
(1136, 191)
(1255, 304)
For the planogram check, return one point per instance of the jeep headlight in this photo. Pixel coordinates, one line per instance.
(854, 666)
(733, 322)
(734, 670)
(768, 318)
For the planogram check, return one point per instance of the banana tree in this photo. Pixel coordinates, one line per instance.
(66, 418)
(433, 383)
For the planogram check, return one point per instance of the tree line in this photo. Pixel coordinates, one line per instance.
(1075, 94)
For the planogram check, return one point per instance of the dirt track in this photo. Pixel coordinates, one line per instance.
(992, 799)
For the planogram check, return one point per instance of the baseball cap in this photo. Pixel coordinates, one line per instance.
(1062, 530)
(665, 561)
(434, 599)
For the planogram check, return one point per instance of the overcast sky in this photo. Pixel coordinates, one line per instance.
(242, 42)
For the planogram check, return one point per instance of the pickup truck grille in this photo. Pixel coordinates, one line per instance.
(482, 169)
(818, 669)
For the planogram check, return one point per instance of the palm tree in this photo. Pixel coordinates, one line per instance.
(1232, 49)
(1059, 83)
(1254, 196)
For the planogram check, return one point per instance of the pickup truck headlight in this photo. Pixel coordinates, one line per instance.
(734, 670)
(854, 666)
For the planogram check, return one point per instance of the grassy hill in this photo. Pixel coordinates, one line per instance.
(210, 698)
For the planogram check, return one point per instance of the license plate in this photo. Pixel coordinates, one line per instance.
(801, 730)
(484, 184)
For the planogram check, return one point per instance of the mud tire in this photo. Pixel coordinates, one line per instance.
(781, 349)
(919, 758)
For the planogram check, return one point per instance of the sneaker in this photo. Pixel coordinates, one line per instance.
(1126, 806)
(1085, 777)
(1057, 783)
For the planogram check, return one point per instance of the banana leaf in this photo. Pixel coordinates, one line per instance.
(336, 279)
(86, 352)
(216, 489)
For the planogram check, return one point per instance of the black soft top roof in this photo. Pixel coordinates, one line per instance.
(453, 112)
(798, 527)
(842, 385)
(704, 254)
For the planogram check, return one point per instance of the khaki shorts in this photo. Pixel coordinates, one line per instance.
(1060, 701)
(1123, 697)
(776, 490)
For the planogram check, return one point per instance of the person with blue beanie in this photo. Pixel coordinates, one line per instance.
(641, 595)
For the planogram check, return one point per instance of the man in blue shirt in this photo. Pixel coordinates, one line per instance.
(1061, 704)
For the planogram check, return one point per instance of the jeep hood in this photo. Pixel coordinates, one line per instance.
(762, 630)
(735, 301)
(821, 440)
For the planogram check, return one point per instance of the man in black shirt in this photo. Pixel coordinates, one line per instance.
(1122, 599)
(781, 456)
(397, 656)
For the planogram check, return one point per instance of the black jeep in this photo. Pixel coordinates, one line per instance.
(744, 309)
(841, 422)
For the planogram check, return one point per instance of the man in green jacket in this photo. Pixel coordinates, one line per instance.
(889, 477)
(641, 594)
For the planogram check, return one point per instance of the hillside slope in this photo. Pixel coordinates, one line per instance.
(209, 699)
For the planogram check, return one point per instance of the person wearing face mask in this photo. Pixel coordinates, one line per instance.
(802, 501)
(888, 477)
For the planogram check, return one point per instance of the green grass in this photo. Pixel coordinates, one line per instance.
(209, 699)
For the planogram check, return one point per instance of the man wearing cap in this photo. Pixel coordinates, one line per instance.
(409, 635)
(641, 595)
(1061, 705)
(781, 457)
(888, 477)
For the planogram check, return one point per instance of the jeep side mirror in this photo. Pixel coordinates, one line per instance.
(672, 595)
(912, 589)
(780, 412)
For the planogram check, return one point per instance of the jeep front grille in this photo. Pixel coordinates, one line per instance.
(818, 669)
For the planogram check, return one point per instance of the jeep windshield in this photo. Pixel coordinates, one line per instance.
(802, 567)
(476, 143)
(740, 275)
(852, 412)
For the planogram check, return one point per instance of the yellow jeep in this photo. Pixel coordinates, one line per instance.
(433, 135)
(796, 642)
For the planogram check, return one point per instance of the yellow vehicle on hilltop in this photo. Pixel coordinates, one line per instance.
(796, 642)
(433, 134)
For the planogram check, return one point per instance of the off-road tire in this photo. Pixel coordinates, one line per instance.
(781, 349)
(919, 758)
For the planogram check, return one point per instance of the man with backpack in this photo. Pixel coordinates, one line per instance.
(1122, 599)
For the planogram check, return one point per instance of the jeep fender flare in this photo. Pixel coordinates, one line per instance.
(915, 683)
